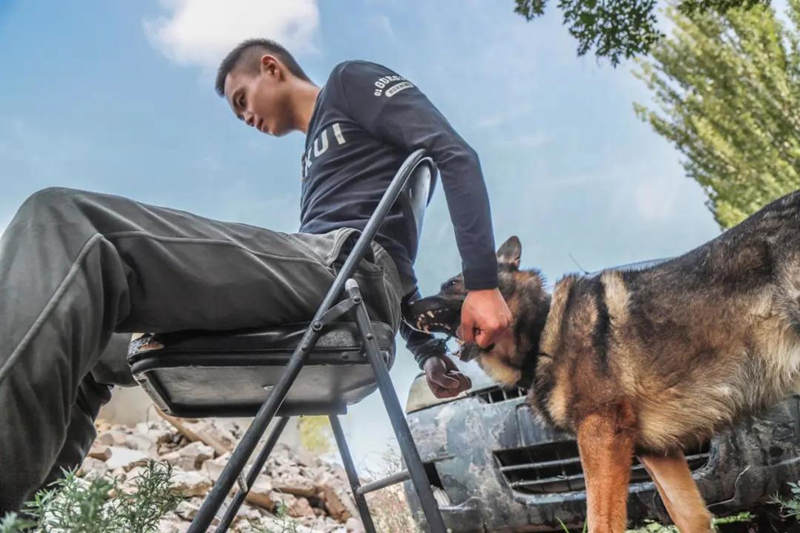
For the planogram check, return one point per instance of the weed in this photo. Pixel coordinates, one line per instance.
(76, 505)
(388, 506)
(745, 516)
(566, 529)
(789, 508)
(12, 523)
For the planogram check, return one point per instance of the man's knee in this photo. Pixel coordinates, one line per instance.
(48, 199)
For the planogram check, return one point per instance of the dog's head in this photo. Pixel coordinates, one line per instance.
(506, 360)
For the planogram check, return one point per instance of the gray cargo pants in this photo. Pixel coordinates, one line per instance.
(77, 266)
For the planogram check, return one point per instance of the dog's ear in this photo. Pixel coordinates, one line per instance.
(509, 252)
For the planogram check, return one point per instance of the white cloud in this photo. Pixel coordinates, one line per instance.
(201, 32)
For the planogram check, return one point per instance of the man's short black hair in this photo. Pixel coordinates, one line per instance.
(248, 53)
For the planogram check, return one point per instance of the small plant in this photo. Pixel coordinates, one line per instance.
(788, 508)
(288, 525)
(745, 516)
(388, 506)
(73, 504)
(654, 527)
(12, 523)
(285, 522)
(566, 529)
(152, 498)
(76, 505)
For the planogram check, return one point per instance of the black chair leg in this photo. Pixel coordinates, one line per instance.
(255, 469)
(249, 441)
(352, 475)
(406, 442)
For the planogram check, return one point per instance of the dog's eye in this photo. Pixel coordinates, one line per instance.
(449, 284)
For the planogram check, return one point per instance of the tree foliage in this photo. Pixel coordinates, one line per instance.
(728, 91)
(619, 29)
(315, 433)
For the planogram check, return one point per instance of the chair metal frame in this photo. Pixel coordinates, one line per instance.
(353, 305)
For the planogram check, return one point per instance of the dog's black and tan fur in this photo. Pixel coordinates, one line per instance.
(650, 361)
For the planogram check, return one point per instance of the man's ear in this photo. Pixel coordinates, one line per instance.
(269, 64)
(510, 252)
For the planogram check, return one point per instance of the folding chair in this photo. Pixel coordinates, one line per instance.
(319, 367)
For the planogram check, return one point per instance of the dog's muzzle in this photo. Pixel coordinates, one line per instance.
(467, 351)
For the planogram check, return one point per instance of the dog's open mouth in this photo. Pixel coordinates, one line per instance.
(434, 315)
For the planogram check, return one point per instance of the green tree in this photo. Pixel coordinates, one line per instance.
(315, 433)
(728, 92)
(619, 29)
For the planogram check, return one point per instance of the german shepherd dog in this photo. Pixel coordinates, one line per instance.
(648, 361)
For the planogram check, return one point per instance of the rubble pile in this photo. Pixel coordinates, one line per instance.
(295, 491)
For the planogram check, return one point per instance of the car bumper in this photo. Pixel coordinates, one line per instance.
(468, 440)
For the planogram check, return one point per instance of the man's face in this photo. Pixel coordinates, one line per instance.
(260, 99)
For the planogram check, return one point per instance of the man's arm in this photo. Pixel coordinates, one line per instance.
(442, 375)
(422, 345)
(394, 110)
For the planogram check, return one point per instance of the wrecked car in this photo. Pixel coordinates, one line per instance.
(495, 467)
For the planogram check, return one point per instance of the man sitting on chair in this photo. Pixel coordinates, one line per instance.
(78, 266)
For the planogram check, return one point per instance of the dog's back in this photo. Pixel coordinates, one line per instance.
(691, 343)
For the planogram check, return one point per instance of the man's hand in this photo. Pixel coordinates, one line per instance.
(444, 378)
(484, 316)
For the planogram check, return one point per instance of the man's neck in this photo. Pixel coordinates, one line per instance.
(305, 97)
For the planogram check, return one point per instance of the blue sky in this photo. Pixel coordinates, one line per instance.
(118, 97)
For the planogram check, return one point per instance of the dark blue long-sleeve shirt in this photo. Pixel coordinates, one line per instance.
(366, 121)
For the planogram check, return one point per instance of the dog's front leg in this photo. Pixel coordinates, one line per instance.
(678, 491)
(605, 442)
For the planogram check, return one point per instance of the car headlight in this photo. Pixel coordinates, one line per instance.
(421, 397)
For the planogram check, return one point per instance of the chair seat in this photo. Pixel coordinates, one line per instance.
(202, 373)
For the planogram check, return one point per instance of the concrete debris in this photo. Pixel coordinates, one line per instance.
(191, 483)
(190, 457)
(92, 468)
(99, 451)
(125, 458)
(296, 491)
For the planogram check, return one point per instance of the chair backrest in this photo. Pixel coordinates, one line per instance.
(417, 193)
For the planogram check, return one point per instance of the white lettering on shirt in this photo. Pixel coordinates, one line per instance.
(387, 81)
(321, 145)
(337, 131)
(394, 89)
(320, 149)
